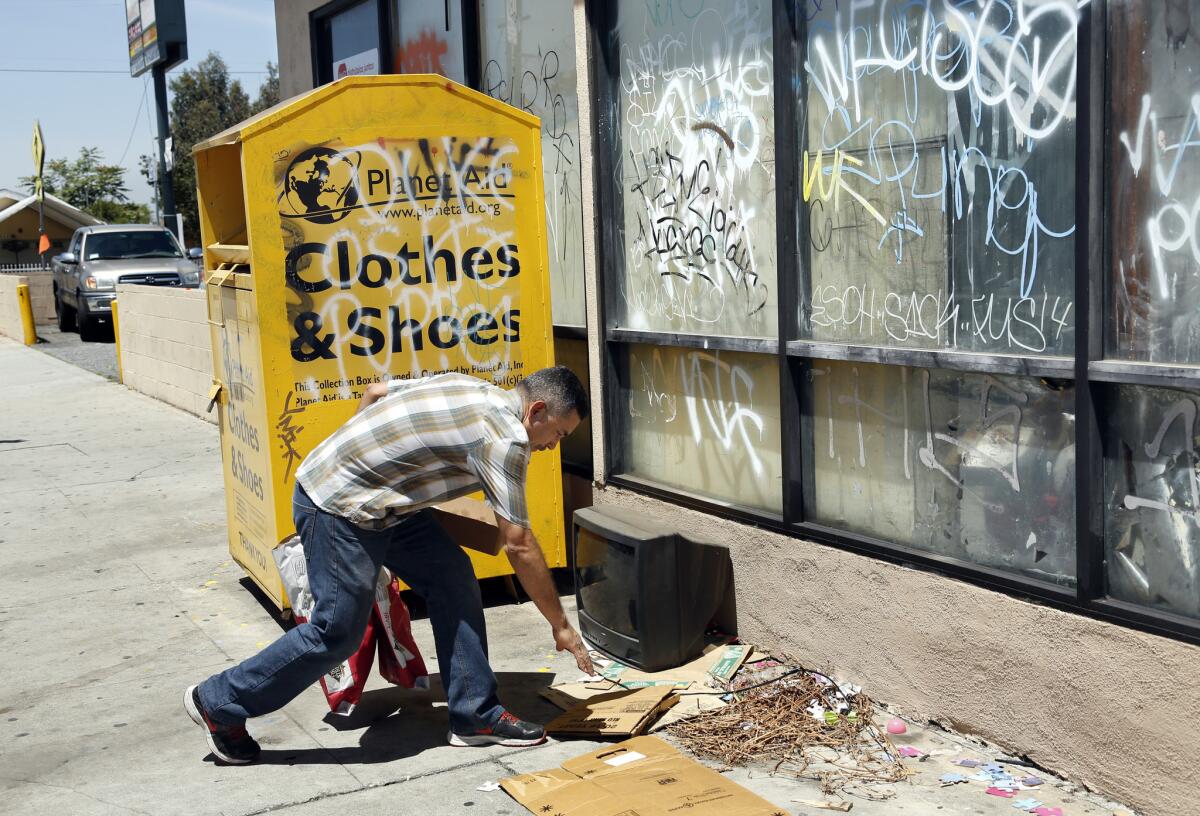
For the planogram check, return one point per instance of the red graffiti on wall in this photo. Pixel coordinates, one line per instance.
(422, 55)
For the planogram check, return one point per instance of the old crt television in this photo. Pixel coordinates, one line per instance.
(645, 593)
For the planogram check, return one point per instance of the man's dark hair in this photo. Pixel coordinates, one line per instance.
(559, 388)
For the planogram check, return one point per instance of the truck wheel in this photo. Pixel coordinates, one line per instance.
(66, 320)
(86, 326)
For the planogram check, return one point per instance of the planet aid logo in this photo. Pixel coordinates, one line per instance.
(321, 185)
(401, 254)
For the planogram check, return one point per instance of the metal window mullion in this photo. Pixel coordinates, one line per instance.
(791, 229)
(1090, 257)
(472, 37)
(603, 46)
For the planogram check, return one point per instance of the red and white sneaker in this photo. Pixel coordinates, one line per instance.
(229, 743)
(508, 730)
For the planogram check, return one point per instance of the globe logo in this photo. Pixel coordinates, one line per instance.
(319, 185)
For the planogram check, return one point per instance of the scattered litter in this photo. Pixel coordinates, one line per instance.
(1001, 792)
(1031, 781)
(1048, 811)
(1027, 804)
(790, 736)
(952, 779)
(823, 805)
(488, 787)
(911, 753)
(896, 726)
(967, 763)
(981, 777)
(994, 768)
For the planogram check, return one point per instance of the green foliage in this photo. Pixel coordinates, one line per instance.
(116, 212)
(204, 101)
(268, 93)
(96, 188)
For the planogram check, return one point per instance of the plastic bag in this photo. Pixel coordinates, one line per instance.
(389, 627)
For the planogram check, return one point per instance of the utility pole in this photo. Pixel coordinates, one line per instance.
(166, 189)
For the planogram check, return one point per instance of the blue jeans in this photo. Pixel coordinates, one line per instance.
(343, 563)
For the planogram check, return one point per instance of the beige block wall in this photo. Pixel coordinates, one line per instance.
(10, 307)
(41, 295)
(165, 346)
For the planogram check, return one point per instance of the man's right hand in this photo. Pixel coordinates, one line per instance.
(566, 639)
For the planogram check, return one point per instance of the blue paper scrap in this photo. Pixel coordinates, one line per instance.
(1026, 804)
(952, 779)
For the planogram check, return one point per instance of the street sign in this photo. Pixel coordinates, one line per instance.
(157, 31)
(39, 159)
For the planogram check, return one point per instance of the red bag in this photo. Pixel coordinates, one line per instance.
(400, 661)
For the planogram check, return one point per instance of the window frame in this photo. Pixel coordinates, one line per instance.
(320, 46)
(1087, 369)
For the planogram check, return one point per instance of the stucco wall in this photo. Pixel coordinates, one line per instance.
(165, 347)
(294, 45)
(10, 308)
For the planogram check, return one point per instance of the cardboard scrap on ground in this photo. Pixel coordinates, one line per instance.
(617, 714)
(690, 681)
(643, 775)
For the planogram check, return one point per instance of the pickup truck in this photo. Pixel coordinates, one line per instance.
(100, 257)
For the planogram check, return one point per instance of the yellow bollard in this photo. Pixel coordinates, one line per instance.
(117, 341)
(26, 306)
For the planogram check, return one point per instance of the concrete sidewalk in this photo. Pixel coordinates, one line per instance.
(117, 592)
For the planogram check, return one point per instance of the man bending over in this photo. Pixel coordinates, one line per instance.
(362, 501)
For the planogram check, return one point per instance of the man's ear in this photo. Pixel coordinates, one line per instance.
(537, 410)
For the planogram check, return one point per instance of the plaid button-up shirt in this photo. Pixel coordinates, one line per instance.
(426, 442)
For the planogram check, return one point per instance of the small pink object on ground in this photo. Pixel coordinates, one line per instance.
(1048, 811)
(1004, 794)
(896, 726)
(909, 751)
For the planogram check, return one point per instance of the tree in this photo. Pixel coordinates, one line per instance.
(96, 188)
(268, 93)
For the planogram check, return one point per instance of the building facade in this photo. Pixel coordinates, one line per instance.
(898, 299)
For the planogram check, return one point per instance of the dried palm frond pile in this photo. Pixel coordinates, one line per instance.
(801, 723)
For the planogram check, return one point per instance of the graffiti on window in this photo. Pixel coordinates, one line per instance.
(528, 51)
(1152, 489)
(705, 421)
(696, 167)
(977, 467)
(938, 174)
(1154, 153)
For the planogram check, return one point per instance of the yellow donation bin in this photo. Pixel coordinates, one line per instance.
(379, 227)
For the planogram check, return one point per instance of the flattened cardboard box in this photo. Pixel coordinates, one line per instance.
(643, 776)
(619, 714)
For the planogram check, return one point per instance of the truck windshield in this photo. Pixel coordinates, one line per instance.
(132, 244)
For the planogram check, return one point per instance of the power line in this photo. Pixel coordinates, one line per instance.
(132, 130)
(88, 71)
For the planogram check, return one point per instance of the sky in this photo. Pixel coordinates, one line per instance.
(40, 39)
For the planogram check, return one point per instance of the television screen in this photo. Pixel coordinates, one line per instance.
(607, 576)
(645, 593)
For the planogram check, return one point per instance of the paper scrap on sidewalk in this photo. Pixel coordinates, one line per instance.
(655, 778)
(620, 713)
(823, 805)
(488, 787)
